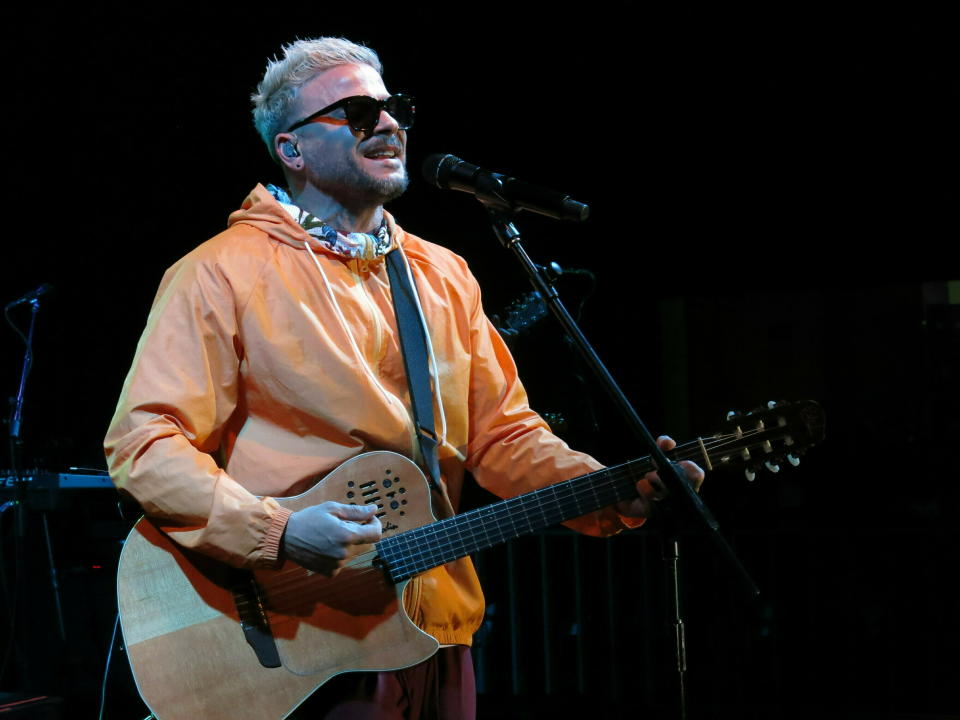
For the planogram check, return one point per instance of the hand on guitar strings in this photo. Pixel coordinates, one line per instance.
(324, 537)
(651, 489)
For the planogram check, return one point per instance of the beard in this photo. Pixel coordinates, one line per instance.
(354, 188)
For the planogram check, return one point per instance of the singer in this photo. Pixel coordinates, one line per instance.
(272, 355)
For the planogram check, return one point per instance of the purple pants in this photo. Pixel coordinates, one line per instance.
(441, 688)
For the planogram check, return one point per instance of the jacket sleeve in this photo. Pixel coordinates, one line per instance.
(179, 394)
(511, 449)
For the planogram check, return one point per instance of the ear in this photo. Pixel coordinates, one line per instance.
(288, 153)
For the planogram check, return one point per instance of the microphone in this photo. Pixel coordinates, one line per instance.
(450, 172)
(44, 289)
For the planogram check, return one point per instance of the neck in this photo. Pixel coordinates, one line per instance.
(335, 213)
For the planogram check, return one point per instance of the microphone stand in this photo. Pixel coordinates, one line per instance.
(16, 418)
(683, 505)
(20, 482)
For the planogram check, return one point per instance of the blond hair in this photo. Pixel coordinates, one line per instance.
(302, 60)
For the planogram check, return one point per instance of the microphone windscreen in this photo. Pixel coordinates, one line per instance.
(432, 168)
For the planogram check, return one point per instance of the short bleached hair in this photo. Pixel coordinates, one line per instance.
(301, 61)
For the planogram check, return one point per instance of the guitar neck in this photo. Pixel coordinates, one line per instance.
(420, 549)
(756, 438)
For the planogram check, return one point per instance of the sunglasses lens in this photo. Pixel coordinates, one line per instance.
(402, 109)
(362, 114)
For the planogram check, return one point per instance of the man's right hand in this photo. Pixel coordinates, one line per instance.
(324, 537)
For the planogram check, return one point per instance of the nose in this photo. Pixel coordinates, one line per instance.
(386, 124)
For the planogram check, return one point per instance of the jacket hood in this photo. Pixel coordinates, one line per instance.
(283, 221)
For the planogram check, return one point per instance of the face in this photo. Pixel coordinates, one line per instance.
(357, 171)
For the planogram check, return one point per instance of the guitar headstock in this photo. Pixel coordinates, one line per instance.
(766, 437)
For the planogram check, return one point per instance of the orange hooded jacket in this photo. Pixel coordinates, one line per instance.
(263, 367)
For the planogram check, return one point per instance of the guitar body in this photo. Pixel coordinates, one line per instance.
(200, 635)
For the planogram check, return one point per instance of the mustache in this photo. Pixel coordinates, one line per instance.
(376, 144)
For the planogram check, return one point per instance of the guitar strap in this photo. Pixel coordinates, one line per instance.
(413, 344)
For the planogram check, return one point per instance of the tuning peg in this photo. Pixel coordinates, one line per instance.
(751, 475)
(731, 414)
(771, 404)
(793, 460)
(772, 467)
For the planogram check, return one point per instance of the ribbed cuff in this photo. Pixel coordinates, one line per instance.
(271, 544)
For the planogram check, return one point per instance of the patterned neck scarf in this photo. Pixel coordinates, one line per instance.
(362, 246)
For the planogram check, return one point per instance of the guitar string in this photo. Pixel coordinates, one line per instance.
(297, 572)
(420, 544)
(431, 548)
(279, 595)
(561, 509)
(278, 589)
(281, 591)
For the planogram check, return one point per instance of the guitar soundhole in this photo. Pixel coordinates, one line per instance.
(385, 494)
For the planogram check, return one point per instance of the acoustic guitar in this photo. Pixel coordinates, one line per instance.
(208, 641)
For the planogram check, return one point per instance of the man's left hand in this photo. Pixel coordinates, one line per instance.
(651, 488)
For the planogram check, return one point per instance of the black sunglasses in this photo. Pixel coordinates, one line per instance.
(363, 112)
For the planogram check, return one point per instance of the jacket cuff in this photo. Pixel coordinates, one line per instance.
(270, 551)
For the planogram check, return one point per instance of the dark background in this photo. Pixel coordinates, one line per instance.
(774, 202)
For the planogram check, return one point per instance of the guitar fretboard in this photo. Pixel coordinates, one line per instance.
(420, 549)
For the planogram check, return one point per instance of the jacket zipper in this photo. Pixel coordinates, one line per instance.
(372, 307)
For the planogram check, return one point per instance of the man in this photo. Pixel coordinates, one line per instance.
(274, 347)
